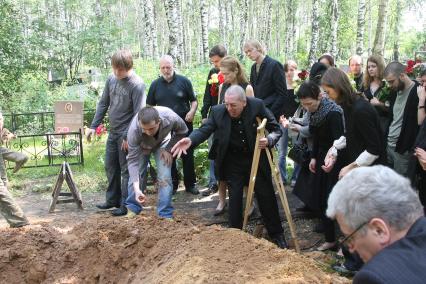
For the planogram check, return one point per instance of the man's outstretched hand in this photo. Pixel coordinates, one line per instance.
(181, 147)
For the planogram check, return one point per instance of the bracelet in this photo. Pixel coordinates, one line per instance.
(421, 107)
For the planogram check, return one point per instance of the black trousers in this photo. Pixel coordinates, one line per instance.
(237, 167)
(189, 178)
(116, 171)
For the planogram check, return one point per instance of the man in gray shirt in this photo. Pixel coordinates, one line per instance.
(403, 126)
(153, 130)
(123, 97)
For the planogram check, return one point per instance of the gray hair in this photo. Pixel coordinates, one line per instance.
(356, 57)
(395, 68)
(375, 192)
(236, 90)
(168, 58)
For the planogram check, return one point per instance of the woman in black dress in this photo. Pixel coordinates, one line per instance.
(362, 144)
(325, 125)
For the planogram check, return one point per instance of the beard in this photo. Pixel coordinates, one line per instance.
(401, 85)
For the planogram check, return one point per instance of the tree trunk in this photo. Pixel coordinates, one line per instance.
(315, 32)
(243, 26)
(204, 30)
(334, 27)
(360, 27)
(175, 39)
(398, 16)
(268, 24)
(150, 29)
(379, 40)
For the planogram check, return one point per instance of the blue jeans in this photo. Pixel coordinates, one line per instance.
(282, 146)
(165, 188)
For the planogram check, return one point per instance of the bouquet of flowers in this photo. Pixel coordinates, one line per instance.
(215, 80)
(100, 131)
(414, 68)
(301, 77)
(384, 94)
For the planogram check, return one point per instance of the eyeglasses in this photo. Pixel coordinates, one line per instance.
(348, 239)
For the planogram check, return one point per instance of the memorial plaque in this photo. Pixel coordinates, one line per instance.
(68, 116)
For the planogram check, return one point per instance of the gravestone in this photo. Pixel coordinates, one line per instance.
(68, 116)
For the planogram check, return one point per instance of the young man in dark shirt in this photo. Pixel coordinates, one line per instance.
(211, 95)
(123, 97)
(175, 92)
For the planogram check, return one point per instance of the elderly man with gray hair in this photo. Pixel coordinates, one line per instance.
(383, 221)
(234, 126)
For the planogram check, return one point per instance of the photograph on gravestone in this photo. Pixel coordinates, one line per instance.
(68, 116)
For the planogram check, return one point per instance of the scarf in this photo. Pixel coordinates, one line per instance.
(317, 118)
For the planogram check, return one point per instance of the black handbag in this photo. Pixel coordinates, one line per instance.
(299, 153)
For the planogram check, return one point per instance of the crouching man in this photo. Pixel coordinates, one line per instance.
(382, 219)
(234, 126)
(153, 130)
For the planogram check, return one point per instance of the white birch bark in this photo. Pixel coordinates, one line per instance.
(360, 27)
(334, 27)
(204, 30)
(315, 33)
(379, 40)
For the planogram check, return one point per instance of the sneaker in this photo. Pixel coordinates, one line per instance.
(130, 214)
(343, 270)
(212, 189)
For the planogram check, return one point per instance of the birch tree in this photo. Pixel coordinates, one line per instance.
(379, 40)
(243, 25)
(396, 30)
(360, 27)
(334, 27)
(204, 30)
(175, 39)
(315, 33)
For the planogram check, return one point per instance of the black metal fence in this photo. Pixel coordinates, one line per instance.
(49, 149)
(37, 122)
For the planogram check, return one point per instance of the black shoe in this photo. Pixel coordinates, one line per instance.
(343, 270)
(104, 206)
(119, 212)
(280, 242)
(304, 209)
(192, 190)
(212, 189)
(319, 228)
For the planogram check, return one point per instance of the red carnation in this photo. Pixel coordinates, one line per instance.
(411, 63)
(303, 75)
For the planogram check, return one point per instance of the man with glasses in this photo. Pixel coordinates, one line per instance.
(403, 127)
(383, 221)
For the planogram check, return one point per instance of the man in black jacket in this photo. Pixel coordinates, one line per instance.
(210, 99)
(403, 127)
(234, 126)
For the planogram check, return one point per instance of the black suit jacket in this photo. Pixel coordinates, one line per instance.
(270, 86)
(402, 262)
(219, 123)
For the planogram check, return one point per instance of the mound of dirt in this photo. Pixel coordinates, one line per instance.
(147, 249)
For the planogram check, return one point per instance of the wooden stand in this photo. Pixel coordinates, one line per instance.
(278, 181)
(65, 174)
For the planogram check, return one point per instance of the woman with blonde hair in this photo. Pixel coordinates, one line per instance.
(233, 74)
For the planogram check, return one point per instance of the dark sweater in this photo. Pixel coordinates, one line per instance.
(122, 99)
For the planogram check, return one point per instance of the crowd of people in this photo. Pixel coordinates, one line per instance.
(357, 138)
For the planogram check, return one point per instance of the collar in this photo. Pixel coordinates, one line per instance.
(167, 82)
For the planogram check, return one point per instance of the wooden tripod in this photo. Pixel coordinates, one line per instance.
(278, 181)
